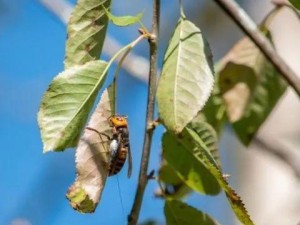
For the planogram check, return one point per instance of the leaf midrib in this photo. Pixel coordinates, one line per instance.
(90, 94)
(177, 69)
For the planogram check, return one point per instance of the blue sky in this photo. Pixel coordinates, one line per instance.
(33, 185)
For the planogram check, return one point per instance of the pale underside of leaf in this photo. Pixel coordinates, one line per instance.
(187, 77)
(93, 157)
(86, 32)
(250, 86)
(67, 102)
(201, 153)
(179, 213)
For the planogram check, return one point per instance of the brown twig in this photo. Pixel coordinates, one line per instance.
(240, 17)
(280, 3)
(143, 176)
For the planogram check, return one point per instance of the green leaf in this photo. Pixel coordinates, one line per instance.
(174, 187)
(187, 167)
(295, 3)
(67, 102)
(123, 21)
(192, 143)
(179, 213)
(214, 111)
(187, 77)
(92, 157)
(168, 175)
(86, 32)
(250, 87)
(80, 200)
(209, 136)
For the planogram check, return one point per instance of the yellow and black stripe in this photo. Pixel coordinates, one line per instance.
(119, 159)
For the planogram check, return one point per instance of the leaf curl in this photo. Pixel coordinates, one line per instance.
(93, 157)
(123, 21)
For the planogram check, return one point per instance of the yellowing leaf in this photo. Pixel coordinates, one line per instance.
(86, 32)
(250, 87)
(179, 213)
(123, 21)
(93, 158)
(187, 77)
(67, 102)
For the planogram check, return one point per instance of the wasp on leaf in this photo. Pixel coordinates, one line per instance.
(119, 147)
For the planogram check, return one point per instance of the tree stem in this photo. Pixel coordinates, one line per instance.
(240, 17)
(143, 176)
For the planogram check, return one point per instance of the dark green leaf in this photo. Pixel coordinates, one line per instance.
(193, 144)
(179, 213)
(250, 87)
(295, 3)
(174, 187)
(208, 136)
(187, 167)
(86, 32)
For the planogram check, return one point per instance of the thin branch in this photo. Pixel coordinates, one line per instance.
(143, 176)
(280, 3)
(135, 65)
(241, 18)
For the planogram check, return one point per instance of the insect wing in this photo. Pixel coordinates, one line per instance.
(129, 162)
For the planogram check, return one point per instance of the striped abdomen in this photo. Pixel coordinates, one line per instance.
(118, 160)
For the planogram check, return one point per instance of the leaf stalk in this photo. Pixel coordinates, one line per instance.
(128, 48)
